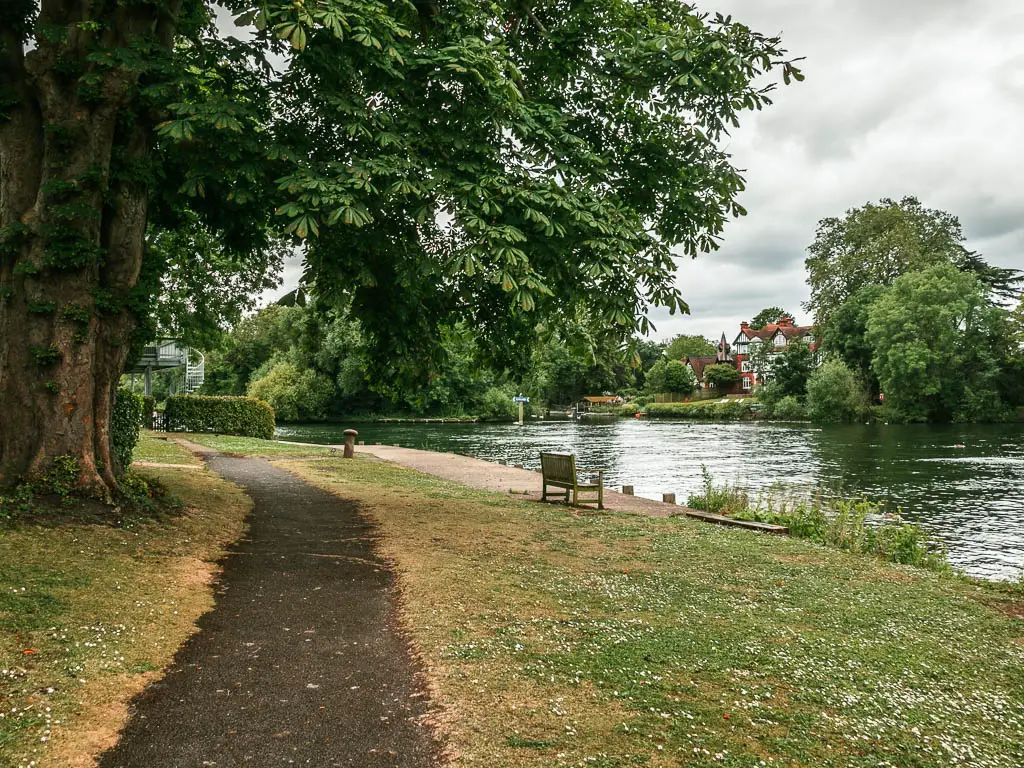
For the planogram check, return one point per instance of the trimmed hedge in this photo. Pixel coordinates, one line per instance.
(245, 416)
(125, 424)
(711, 410)
(627, 410)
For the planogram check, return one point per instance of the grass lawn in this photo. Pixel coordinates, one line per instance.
(251, 446)
(158, 449)
(556, 638)
(89, 614)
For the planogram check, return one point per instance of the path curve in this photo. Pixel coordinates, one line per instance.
(301, 661)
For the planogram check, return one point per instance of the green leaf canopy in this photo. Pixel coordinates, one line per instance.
(502, 164)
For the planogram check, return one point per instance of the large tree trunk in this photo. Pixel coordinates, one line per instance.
(72, 227)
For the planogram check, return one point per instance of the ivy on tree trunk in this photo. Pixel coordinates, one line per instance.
(74, 145)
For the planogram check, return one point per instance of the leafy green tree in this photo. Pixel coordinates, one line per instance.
(721, 376)
(792, 368)
(683, 346)
(879, 242)
(294, 395)
(935, 337)
(679, 378)
(836, 393)
(670, 377)
(647, 354)
(656, 380)
(255, 340)
(498, 164)
(845, 335)
(768, 316)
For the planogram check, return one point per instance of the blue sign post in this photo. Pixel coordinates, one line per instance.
(521, 400)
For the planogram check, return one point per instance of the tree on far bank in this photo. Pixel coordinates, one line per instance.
(683, 346)
(792, 368)
(836, 393)
(721, 376)
(845, 335)
(679, 378)
(879, 242)
(670, 377)
(768, 316)
(937, 343)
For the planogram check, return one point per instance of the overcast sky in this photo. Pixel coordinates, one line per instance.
(912, 97)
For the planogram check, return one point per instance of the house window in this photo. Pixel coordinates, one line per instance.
(745, 366)
(780, 340)
(746, 383)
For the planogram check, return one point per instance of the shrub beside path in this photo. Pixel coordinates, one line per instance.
(301, 660)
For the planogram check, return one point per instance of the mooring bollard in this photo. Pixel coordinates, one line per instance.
(668, 498)
(627, 490)
(350, 441)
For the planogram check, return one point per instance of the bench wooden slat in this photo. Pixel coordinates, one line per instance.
(559, 470)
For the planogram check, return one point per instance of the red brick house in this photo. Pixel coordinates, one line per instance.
(775, 337)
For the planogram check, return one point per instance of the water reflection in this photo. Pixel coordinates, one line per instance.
(964, 483)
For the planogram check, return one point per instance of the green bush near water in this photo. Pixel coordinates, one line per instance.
(789, 408)
(244, 416)
(711, 410)
(294, 394)
(626, 410)
(720, 500)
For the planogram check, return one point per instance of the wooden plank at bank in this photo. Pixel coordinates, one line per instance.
(709, 517)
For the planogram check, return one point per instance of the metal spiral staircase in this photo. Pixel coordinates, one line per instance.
(166, 354)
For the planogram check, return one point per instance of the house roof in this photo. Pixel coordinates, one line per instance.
(785, 327)
(602, 398)
(699, 363)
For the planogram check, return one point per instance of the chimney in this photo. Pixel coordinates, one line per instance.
(744, 325)
(786, 321)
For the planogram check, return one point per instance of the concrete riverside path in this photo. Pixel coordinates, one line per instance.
(300, 662)
(525, 484)
(490, 476)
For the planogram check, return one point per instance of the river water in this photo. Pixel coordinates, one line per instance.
(963, 483)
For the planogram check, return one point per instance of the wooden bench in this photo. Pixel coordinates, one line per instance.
(559, 470)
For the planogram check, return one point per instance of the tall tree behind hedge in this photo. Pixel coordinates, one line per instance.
(768, 316)
(683, 346)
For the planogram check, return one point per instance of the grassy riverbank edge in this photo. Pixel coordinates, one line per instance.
(559, 637)
(90, 614)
